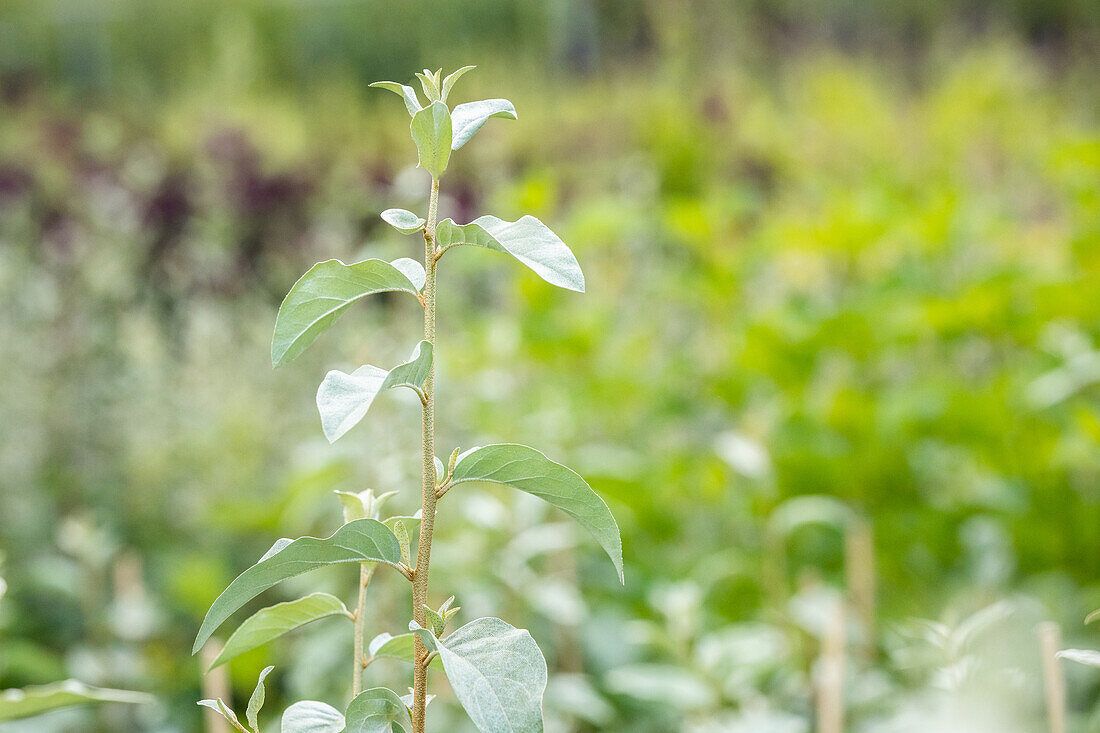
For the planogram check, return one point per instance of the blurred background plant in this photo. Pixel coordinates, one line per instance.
(837, 368)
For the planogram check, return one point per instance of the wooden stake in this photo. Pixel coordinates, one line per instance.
(859, 566)
(830, 682)
(1054, 682)
(215, 685)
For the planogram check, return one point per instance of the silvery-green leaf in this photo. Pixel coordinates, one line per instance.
(403, 220)
(407, 93)
(274, 621)
(527, 239)
(429, 85)
(390, 646)
(378, 710)
(23, 703)
(256, 702)
(353, 505)
(431, 131)
(402, 534)
(454, 76)
(387, 646)
(409, 521)
(497, 672)
(412, 270)
(322, 294)
(225, 711)
(435, 620)
(310, 716)
(343, 399)
(1081, 656)
(529, 470)
(468, 118)
(364, 540)
(438, 467)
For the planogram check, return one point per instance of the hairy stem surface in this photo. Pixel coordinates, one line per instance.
(427, 521)
(366, 570)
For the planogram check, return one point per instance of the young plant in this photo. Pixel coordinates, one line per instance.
(497, 672)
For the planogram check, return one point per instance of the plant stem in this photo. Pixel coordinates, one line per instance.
(427, 520)
(366, 570)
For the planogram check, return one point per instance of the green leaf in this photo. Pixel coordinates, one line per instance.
(343, 399)
(358, 505)
(527, 239)
(412, 270)
(405, 92)
(225, 711)
(402, 534)
(468, 118)
(378, 710)
(529, 470)
(413, 521)
(28, 701)
(257, 701)
(1081, 656)
(274, 621)
(429, 84)
(387, 646)
(353, 505)
(497, 672)
(431, 131)
(310, 716)
(436, 621)
(454, 76)
(1092, 616)
(360, 541)
(322, 295)
(403, 220)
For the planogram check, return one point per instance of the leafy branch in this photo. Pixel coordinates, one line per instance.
(497, 671)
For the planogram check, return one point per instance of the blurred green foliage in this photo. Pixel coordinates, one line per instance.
(837, 249)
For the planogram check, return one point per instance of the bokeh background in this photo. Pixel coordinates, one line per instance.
(841, 342)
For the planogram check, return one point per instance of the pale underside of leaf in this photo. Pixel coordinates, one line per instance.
(364, 540)
(322, 294)
(25, 702)
(530, 471)
(407, 93)
(310, 716)
(256, 702)
(403, 220)
(497, 672)
(468, 118)
(274, 621)
(378, 710)
(344, 399)
(449, 81)
(412, 270)
(527, 239)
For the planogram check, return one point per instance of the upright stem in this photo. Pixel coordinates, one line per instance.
(427, 520)
(366, 570)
